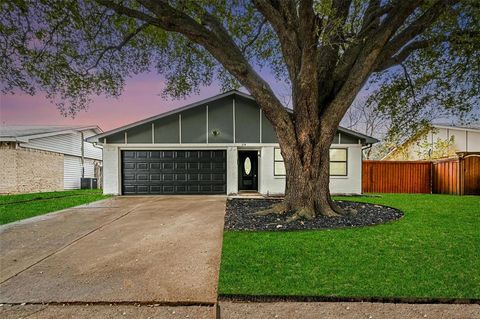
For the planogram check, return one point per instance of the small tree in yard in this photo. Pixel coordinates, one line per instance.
(326, 50)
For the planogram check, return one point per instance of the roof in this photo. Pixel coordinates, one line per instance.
(96, 138)
(473, 128)
(22, 133)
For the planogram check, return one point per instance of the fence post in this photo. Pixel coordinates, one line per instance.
(431, 177)
(461, 174)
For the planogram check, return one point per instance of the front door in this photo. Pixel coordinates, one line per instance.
(247, 170)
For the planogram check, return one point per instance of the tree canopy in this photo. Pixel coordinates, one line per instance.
(75, 49)
(416, 55)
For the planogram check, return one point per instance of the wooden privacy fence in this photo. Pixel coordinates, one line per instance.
(396, 177)
(446, 177)
(471, 171)
(459, 176)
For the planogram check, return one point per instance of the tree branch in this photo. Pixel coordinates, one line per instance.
(414, 29)
(409, 81)
(128, 11)
(360, 60)
(254, 38)
(119, 46)
(413, 46)
(373, 14)
(280, 16)
(403, 54)
(373, 39)
(328, 54)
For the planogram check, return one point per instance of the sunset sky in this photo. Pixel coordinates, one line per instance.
(141, 98)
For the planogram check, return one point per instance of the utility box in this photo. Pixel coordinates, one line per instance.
(88, 183)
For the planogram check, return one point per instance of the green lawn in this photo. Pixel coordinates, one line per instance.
(17, 207)
(433, 251)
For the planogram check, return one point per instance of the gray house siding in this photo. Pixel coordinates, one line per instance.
(227, 120)
(140, 134)
(220, 120)
(167, 129)
(247, 121)
(268, 133)
(117, 138)
(346, 139)
(194, 125)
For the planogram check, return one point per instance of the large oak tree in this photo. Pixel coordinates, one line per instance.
(325, 50)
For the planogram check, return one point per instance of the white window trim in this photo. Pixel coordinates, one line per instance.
(331, 176)
(277, 161)
(346, 162)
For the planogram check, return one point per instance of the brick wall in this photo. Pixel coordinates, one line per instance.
(8, 168)
(24, 170)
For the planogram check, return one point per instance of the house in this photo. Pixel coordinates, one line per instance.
(220, 145)
(46, 158)
(438, 141)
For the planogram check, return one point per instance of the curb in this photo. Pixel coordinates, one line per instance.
(397, 300)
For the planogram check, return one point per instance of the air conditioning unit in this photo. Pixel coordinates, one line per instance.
(88, 183)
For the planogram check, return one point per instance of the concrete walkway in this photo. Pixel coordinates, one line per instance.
(162, 249)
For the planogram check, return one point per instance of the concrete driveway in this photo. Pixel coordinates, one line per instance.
(162, 249)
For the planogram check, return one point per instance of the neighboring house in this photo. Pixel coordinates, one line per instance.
(46, 158)
(221, 145)
(439, 141)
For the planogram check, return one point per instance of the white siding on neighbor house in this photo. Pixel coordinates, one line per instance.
(460, 139)
(72, 172)
(90, 150)
(69, 144)
(463, 140)
(89, 168)
(473, 142)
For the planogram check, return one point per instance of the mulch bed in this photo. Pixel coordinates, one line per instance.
(240, 216)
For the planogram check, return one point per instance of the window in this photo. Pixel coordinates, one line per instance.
(338, 162)
(278, 165)
(247, 166)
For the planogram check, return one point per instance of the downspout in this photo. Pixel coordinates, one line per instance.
(364, 148)
(83, 155)
(368, 146)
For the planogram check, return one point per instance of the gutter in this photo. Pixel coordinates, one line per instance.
(14, 139)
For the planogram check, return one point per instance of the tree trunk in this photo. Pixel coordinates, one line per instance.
(306, 153)
(307, 192)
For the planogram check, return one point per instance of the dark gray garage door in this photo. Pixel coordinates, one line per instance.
(174, 172)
